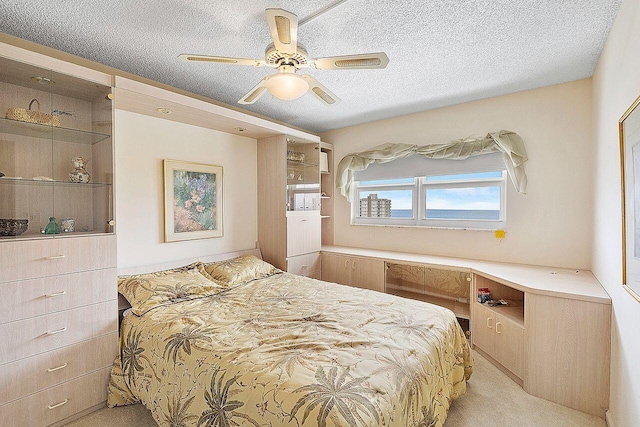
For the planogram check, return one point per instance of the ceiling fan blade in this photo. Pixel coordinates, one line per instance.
(254, 94)
(319, 91)
(222, 60)
(284, 30)
(352, 62)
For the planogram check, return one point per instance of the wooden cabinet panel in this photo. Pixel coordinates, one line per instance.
(57, 403)
(509, 345)
(45, 295)
(27, 376)
(335, 268)
(303, 233)
(570, 340)
(28, 259)
(359, 272)
(482, 326)
(499, 337)
(307, 265)
(367, 273)
(40, 334)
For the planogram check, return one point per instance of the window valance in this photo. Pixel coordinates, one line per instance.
(507, 142)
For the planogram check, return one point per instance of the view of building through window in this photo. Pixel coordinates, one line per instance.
(472, 200)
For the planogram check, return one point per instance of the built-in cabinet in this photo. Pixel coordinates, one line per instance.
(446, 287)
(289, 204)
(552, 337)
(500, 337)
(59, 325)
(359, 272)
(556, 346)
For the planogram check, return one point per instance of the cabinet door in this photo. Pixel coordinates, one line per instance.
(303, 233)
(335, 268)
(367, 273)
(509, 345)
(483, 324)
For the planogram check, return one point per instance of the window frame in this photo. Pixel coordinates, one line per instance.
(419, 188)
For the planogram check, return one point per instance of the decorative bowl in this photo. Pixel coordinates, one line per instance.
(13, 227)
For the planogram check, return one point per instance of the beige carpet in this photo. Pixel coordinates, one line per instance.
(492, 400)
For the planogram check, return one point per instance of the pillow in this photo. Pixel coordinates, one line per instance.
(147, 291)
(240, 270)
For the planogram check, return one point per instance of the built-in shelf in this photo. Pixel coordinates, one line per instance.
(325, 216)
(460, 309)
(325, 197)
(35, 130)
(34, 236)
(43, 182)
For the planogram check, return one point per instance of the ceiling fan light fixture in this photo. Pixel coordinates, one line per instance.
(286, 86)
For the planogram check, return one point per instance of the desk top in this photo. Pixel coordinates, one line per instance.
(550, 281)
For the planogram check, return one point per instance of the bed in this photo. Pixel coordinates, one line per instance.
(249, 345)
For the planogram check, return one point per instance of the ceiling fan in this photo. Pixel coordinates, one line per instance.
(289, 56)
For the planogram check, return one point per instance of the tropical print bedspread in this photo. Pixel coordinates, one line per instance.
(292, 351)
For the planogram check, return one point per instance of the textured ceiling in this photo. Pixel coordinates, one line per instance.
(441, 52)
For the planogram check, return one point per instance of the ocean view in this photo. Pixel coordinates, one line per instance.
(450, 214)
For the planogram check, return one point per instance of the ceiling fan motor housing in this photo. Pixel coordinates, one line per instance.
(274, 58)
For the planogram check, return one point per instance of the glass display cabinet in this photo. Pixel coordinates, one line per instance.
(56, 154)
(303, 175)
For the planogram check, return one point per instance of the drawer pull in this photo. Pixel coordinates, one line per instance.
(56, 332)
(304, 220)
(58, 368)
(498, 331)
(52, 257)
(346, 264)
(56, 294)
(488, 319)
(57, 405)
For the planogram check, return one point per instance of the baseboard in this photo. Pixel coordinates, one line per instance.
(607, 418)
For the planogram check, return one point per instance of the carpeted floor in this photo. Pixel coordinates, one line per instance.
(492, 400)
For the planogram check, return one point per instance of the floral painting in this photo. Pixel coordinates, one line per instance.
(193, 200)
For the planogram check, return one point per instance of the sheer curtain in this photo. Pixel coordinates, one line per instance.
(507, 142)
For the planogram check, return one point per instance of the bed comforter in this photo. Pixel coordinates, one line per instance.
(292, 351)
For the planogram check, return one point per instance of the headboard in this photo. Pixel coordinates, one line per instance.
(123, 304)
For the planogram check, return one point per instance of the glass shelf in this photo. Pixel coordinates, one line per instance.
(36, 130)
(42, 182)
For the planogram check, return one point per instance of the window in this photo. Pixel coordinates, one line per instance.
(467, 200)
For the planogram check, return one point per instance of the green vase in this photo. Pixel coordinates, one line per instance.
(52, 227)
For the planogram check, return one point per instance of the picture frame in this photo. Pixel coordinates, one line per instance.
(629, 132)
(192, 200)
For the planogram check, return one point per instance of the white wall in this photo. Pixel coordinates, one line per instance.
(142, 142)
(547, 226)
(616, 84)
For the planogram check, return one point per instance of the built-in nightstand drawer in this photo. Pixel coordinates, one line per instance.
(36, 373)
(57, 403)
(36, 297)
(307, 265)
(28, 337)
(29, 259)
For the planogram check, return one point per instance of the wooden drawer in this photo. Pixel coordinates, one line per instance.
(36, 297)
(36, 373)
(30, 259)
(307, 265)
(57, 403)
(40, 334)
(303, 233)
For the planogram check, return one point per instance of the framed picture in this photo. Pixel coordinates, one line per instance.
(629, 126)
(192, 201)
